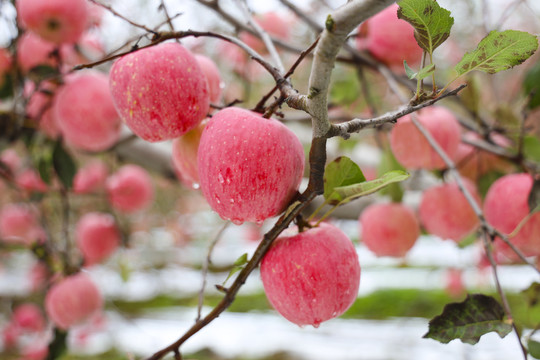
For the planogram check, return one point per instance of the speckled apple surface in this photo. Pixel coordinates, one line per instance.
(160, 92)
(312, 276)
(249, 167)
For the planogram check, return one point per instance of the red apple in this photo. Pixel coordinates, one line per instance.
(58, 21)
(249, 167)
(33, 51)
(312, 276)
(184, 156)
(86, 114)
(411, 148)
(506, 206)
(28, 317)
(30, 181)
(213, 77)
(389, 229)
(39, 109)
(19, 224)
(389, 39)
(90, 178)
(445, 212)
(160, 91)
(72, 300)
(276, 25)
(97, 237)
(130, 189)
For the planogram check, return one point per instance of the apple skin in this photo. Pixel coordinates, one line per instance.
(72, 300)
(249, 167)
(160, 92)
(85, 113)
(445, 212)
(275, 24)
(28, 317)
(130, 189)
(33, 51)
(389, 39)
(90, 178)
(97, 237)
(19, 225)
(213, 77)
(58, 21)
(411, 148)
(389, 229)
(506, 206)
(312, 276)
(184, 156)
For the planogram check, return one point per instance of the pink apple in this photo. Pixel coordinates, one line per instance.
(389, 229)
(58, 21)
(213, 77)
(160, 92)
(91, 177)
(276, 25)
(506, 206)
(312, 276)
(97, 237)
(411, 148)
(33, 51)
(28, 317)
(11, 159)
(85, 112)
(445, 212)
(130, 189)
(249, 167)
(389, 39)
(454, 283)
(39, 109)
(30, 181)
(19, 224)
(184, 156)
(72, 300)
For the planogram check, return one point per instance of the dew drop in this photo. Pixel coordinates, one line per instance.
(217, 199)
(334, 314)
(259, 222)
(195, 186)
(231, 200)
(237, 221)
(221, 179)
(316, 324)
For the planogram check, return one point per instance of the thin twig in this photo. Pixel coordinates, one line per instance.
(115, 13)
(206, 263)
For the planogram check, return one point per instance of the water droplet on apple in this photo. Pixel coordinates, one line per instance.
(195, 186)
(259, 222)
(221, 179)
(237, 221)
(316, 324)
(231, 200)
(217, 199)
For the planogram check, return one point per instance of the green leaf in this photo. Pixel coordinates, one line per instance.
(64, 165)
(431, 23)
(389, 163)
(534, 197)
(531, 86)
(499, 51)
(423, 73)
(237, 266)
(44, 166)
(477, 315)
(531, 148)
(351, 192)
(345, 89)
(340, 172)
(534, 348)
(409, 71)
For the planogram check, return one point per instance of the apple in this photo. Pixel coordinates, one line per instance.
(28, 317)
(34, 51)
(97, 237)
(72, 300)
(445, 212)
(411, 148)
(130, 189)
(275, 24)
(10, 158)
(250, 167)
(389, 229)
(58, 21)
(39, 109)
(160, 92)
(184, 156)
(506, 207)
(312, 276)
(389, 39)
(85, 112)
(90, 178)
(30, 181)
(213, 77)
(19, 224)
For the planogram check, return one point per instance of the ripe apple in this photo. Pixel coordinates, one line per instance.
(160, 92)
(389, 229)
(58, 21)
(97, 237)
(19, 224)
(445, 212)
(249, 167)
(72, 300)
(39, 109)
(130, 189)
(184, 156)
(33, 51)
(28, 317)
(213, 77)
(90, 178)
(411, 148)
(506, 206)
(275, 24)
(85, 112)
(10, 158)
(30, 181)
(312, 276)
(389, 39)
